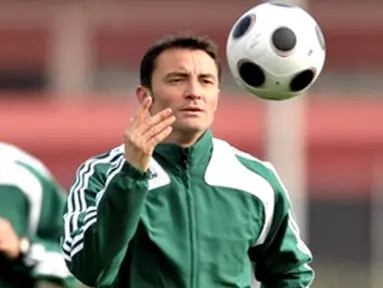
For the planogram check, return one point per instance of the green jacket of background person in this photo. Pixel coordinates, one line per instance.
(200, 217)
(31, 205)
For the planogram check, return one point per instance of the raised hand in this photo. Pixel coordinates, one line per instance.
(144, 132)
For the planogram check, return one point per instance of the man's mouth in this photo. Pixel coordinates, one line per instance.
(192, 109)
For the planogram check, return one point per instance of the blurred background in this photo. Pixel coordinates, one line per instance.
(68, 70)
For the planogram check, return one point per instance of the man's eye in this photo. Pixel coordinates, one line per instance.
(207, 81)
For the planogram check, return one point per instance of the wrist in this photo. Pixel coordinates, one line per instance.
(135, 172)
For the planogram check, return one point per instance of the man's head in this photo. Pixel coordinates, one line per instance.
(182, 72)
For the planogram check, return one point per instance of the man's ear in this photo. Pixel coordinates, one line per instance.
(142, 93)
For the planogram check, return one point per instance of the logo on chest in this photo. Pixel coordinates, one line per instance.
(158, 177)
(152, 174)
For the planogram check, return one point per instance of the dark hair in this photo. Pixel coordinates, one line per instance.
(183, 41)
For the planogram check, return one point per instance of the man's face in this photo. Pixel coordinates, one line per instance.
(187, 81)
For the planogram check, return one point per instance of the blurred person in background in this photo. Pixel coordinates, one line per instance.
(31, 205)
(173, 206)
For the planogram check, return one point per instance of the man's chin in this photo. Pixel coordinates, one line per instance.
(189, 128)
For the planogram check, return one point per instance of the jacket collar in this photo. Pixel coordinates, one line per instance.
(196, 155)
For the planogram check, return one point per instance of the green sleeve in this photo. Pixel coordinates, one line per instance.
(101, 215)
(283, 260)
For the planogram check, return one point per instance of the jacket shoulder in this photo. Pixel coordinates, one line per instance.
(263, 168)
(258, 168)
(15, 175)
(246, 159)
(253, 163)
(230, 160)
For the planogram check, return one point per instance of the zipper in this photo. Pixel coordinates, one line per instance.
(192, 220)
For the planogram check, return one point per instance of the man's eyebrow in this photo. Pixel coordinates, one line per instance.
(186, 74)
(177, 73)
(207, 75)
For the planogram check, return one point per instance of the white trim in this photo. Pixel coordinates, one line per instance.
(76, 199)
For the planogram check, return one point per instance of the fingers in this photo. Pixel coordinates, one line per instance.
(159, 137)
(143, 111)
(144, 132)
(152, 121)
(158, 127)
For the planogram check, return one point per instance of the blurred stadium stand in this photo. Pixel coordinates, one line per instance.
(115, 34)
(68, 69)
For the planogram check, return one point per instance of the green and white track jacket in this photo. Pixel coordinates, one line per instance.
(202, 217)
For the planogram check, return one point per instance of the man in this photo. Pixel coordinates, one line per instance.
(31, 205)
(173, 206)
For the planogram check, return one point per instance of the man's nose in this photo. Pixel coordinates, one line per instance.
(193, 90)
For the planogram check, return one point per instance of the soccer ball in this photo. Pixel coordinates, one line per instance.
(275, 51)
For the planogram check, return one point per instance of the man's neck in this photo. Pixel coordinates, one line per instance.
(183, 139)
